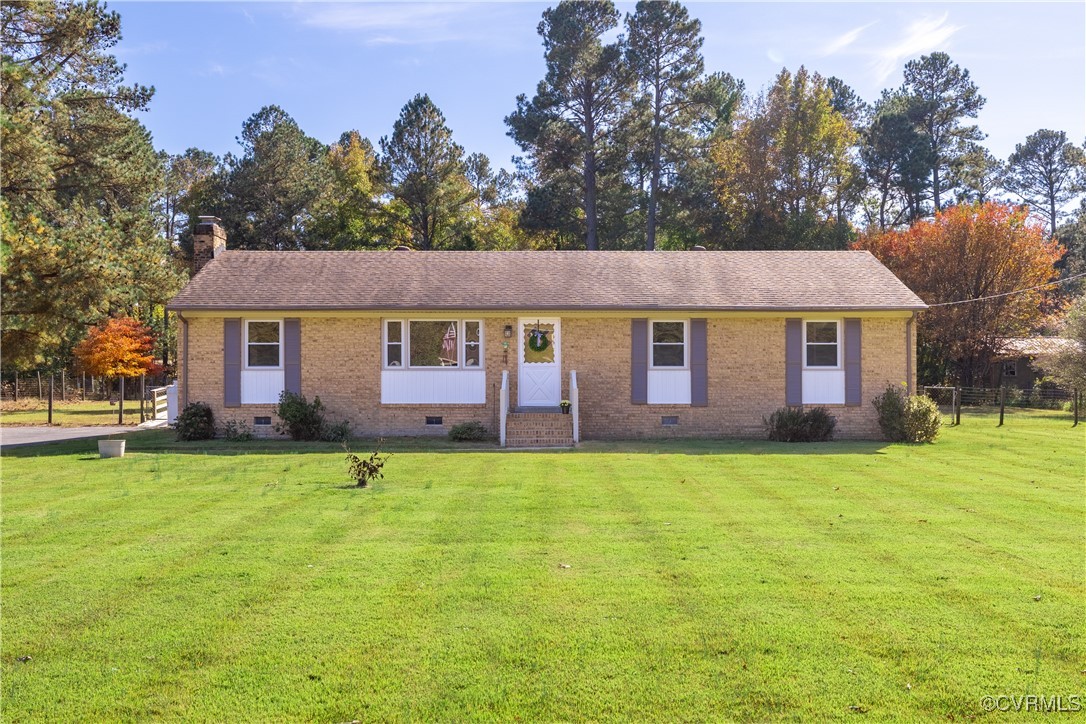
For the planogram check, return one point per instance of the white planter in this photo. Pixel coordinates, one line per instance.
(111, 448)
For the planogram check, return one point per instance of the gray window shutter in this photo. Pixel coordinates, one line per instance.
(639, 361)
(793, 362)
(853, 354)
(292, 355)
(231, 354)
(699, 363)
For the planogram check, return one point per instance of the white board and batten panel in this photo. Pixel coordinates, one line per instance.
(433, 387)
(823, 387)
(668, 387)
(261, 387)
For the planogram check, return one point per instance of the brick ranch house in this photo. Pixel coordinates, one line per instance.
(643, 344)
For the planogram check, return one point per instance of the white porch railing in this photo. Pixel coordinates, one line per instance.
(575, 404)
(503, 406)
(159, 403)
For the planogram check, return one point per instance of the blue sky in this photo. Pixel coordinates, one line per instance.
(338, 66)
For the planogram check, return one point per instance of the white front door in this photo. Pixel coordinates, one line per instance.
(540, 381)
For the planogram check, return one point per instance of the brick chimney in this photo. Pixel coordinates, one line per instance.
(208, 241)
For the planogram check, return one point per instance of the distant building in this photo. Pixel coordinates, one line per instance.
(1017, 357)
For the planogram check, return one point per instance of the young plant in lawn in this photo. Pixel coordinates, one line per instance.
(366, 470)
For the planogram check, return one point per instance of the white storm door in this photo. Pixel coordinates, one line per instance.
(540, 379)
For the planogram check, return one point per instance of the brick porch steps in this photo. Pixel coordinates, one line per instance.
(538, 429)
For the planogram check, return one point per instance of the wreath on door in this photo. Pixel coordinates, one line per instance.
(537, 340)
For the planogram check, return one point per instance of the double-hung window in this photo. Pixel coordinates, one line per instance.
(394, 344)
(668, 344)
(433, 343)
(263, 344)
(473, 344)
(821, 344)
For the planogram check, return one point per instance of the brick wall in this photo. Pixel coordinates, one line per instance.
(341, 362)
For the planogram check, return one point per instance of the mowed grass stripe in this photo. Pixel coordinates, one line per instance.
(707, 580)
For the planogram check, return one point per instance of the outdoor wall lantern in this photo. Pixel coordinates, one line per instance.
(508, 332)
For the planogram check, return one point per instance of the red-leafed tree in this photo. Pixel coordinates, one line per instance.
(967, 253)
(122, 347)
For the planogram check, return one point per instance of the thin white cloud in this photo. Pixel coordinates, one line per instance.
(844, 40)
(774, 56)
(215, 69)
(924, 35)
(154, 48)
(395, 23)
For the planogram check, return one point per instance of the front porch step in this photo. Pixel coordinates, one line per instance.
(538, 429)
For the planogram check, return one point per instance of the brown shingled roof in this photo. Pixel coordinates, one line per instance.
(542, 280)
(1035, 346)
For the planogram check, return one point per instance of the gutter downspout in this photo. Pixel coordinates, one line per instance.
(908, 353)
(184, 401)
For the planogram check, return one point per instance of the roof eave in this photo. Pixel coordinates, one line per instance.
(547, 308)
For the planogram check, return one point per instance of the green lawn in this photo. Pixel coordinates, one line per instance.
(68, 414)
(681, 580)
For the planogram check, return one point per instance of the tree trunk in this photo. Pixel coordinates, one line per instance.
(935, 186)
(591, 242)
(165, 338)
(654, 178)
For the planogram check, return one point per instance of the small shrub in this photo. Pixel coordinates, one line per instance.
(922, 419)
(467, 431)
(820, 425)
(302, 420)
(907, 418)
(339, 432)
(890, 406)
(237, 431)
(793, 424)
(195, 422)
(366, 470)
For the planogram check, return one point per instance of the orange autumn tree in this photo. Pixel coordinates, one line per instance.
(970, 253)
(122, 347)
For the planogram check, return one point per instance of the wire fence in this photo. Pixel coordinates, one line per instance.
(73, 387)
(1044, 398)
(951, 400)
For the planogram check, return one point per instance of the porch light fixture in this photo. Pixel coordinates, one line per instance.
(508, 331)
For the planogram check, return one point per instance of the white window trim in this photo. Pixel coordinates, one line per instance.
(384, 345)
(686, 345)
(245, 346)
(840, 346)
(405, 344)
(463, 359)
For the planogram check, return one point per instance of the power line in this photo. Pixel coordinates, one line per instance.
(1016, 291)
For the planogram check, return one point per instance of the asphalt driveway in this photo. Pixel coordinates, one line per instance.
(37, 434)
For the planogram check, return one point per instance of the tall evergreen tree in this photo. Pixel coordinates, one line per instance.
(184, 174)
(1047, 171)
(941, 96)
(896, 160)
(976, 175)
(77, 183)
(579, 104)
(271, 189)
(664, 50)
(693, 210)
(425, 172)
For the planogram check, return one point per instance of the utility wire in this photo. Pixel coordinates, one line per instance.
(1016, 291)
